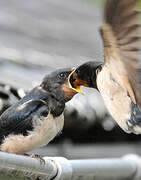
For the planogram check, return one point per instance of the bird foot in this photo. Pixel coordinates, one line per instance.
(129, 126)
(134, 123)
(135, 118)
(36, 156)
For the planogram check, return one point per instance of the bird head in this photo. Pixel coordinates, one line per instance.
(60, 84)
(85, 74)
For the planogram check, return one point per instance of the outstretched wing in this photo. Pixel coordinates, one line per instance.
(121, 36)
(18, 118)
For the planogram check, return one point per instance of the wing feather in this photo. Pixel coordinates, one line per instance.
(121, 34)
(18, 119)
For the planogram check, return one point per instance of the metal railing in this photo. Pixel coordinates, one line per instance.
(59, 168)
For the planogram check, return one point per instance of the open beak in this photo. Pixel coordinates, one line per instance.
(73, 82)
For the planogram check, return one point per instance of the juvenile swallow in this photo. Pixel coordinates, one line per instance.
(38, 117)
(117, 79)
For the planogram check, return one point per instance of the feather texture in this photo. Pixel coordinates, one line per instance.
(121, 34)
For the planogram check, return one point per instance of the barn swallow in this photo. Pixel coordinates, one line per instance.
(38, 117)
(117, 79)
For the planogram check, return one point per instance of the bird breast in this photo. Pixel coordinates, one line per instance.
(44, 131)
(47, 129)
(115, 97)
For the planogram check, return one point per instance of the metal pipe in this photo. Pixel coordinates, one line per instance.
(21, 166)
(103, 169)
(59, 168)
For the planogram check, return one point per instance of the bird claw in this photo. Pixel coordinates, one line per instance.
(129, 124)
(135, 115)
(129, 128)
(38, 157)
(135, 119)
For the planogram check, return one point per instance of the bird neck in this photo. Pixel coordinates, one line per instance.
(56, 102)
(56, 106)
(93, 77)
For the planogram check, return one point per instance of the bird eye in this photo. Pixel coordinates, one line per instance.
(62, 75)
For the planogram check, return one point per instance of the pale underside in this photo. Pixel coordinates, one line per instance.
(118, 81)
(45, 130)
(115, 95)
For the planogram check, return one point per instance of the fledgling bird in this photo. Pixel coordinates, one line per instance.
(38, 117)
(117, 79)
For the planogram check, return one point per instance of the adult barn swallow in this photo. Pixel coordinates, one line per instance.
(117, 79)
(37, 118)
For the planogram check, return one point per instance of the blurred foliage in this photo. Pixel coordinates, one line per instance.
(102, 1)
(97, 1)
(139, 4)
